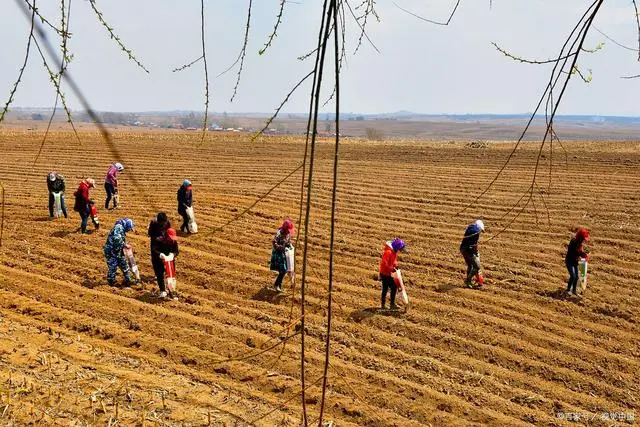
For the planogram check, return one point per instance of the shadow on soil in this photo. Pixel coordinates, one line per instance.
(561, 295)
(63, 233)
(362, 314)
(269, 295)
(150, 298)
(93, 282)
(445, 287)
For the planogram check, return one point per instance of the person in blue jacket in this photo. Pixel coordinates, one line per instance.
(469, 250)
(113, 251)
(185, 200)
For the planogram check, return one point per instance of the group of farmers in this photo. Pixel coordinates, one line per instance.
(163, 238)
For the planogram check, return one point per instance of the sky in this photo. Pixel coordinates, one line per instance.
(421, 67)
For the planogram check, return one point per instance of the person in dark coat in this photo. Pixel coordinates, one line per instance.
(157, 232)
(82, 202)
(55, 184)
(469, 250)
(281, 241)
(185, 200)
(575, 251)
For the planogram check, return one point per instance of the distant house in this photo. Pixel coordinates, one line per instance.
(191, 128)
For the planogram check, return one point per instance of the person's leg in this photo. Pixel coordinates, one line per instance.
(84, 216)
(475, 266)
(467, 259)
(124, 266)
(108, 188)
(392, 297)
(185, 222)
(112, 266)
(385, 289)
(278, 282)
(63, 205)
(158, 269)
(51, 201)
(574, 279)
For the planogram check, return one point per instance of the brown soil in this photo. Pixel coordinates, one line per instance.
(74, 351)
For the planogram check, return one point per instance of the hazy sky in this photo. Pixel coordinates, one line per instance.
(422, 67)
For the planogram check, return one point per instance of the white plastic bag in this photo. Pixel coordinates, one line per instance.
(289, 254)
(57, 204)
(193, 227)
(128, 253)
(397, 278)
(170, 271)
(582, 274)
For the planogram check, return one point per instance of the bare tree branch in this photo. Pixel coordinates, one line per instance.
(206, 73)
(243, 52)
(24, 64)
(430, 20)
(562, 67)
(612, 40)
(282, 104)
(185, 66)
(114, 36)
(275, 29)
(43, 19)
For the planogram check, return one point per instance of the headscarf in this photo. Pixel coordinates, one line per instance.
(582, 235)
(287, 225)
(398, 244)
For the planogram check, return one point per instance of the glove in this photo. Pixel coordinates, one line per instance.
(163, 256)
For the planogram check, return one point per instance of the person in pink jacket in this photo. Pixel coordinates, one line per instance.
(111, 184)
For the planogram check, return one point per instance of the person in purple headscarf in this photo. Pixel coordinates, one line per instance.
(389, 264)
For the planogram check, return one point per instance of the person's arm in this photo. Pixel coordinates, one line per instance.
(277, 244)
(582, 251)
(64, 187)
(119, 240)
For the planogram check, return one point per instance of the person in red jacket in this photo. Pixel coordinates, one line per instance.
(388, 265)
(82, 202)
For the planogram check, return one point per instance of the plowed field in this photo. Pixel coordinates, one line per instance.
(74, 351)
